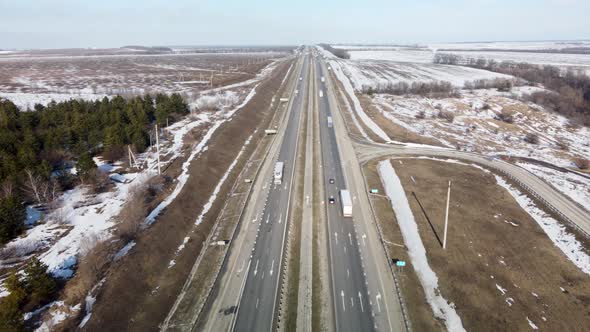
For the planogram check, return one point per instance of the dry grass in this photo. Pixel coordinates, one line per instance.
(141, 289)
(486, 249)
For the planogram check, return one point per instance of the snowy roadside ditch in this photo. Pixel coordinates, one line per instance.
(357, 104)
(399, 202)
(211, 200)
(202, 146)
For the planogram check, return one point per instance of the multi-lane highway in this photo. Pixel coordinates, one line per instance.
(259, 295)
(351, 305)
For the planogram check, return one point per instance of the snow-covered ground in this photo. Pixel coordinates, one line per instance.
(440, 306)
(520, 52)
(555, 59)
(29, 80)
(558, 234)
(82, 216)
(380, 73)
(476, 126)
(576, 186)
(26, 101)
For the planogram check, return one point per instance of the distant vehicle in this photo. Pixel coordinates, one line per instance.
(331, 181)
(278, 174)
(321, 93)
(330, 123)
(346, 203)
(284, 100)
(270, 131)
(323, 79)
(331, 199)
(301, 78)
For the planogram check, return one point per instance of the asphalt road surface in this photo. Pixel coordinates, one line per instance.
(349, 289)
(259, 297)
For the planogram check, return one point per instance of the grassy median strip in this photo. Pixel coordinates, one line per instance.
(291, 274)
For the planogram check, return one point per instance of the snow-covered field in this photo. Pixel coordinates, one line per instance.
(519, 52)
(364, 73)
(476, 127)
(399, 202)
(27, 80)
(556, 59)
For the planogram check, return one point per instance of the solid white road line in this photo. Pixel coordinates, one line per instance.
(256, 268)
(361, 302)
(272, 266)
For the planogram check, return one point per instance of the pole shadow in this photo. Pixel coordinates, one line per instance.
(428, 219)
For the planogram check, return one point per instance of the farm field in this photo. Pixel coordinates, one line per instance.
(31, 78)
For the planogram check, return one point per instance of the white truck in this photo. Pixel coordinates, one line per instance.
(323, 79)
(278, 173)
(346, 203)
(270, 131)
(284, 100)
(330, 122)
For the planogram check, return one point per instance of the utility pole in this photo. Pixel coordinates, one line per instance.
(158, 148)
(447, 216)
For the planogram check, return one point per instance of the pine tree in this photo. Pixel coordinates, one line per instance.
(85, 164)
(39, 284)
(12, 218)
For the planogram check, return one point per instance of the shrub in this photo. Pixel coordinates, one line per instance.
(449, 116)
(582, 163)
(39, 284)
(531, 138)
(562, 145)
(421, 115)
(506, 116)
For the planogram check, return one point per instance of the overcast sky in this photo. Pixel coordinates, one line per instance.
(112, 23)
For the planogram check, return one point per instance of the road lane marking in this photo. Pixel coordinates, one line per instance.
(348, 273)
(257, 303)
(352, 302)
(256, 268)
(272, 266)
(378, 298)
(350, 238)
(242, 266)
(280, 218)
(267, 218)
(361, 302)
(364, 237)
(342, 295)
(336, 236)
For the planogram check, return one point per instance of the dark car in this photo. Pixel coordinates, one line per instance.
(331, 200)
(331, 181)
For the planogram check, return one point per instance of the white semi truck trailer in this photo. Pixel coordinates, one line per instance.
(278, 173)
(346, 203)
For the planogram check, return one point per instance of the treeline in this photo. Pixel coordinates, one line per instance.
(570, 95)
(38, 146)
(339, 52)
(437, 89)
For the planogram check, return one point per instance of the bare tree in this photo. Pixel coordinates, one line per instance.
(34, 187)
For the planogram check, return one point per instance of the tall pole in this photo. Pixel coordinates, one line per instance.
(447, 216)
(158, 148)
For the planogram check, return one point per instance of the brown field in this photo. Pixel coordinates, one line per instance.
(128, 73)
(484, 253)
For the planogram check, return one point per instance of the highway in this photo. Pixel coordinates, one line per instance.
(349, 289)
(256, 309)
(363, 290)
